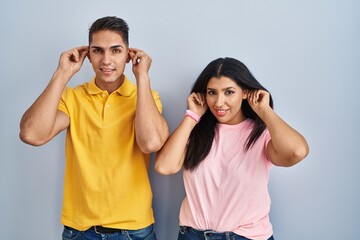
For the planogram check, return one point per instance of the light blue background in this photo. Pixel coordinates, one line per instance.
(307, 53)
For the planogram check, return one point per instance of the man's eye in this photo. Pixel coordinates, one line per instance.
(116, 50)
(97, 50)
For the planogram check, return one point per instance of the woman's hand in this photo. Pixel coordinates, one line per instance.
(197, 103)
(259, 100)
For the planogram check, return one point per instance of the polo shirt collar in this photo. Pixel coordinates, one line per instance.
(126, 88)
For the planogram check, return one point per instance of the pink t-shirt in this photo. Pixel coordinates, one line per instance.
(228, 191)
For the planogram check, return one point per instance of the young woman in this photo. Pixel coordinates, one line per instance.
(226, 143)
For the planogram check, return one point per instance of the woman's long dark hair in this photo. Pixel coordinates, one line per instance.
(201, 137)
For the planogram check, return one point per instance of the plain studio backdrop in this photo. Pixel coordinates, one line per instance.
(306, 53)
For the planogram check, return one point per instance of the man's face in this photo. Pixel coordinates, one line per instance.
(108, 55)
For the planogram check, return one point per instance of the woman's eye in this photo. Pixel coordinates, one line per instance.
(229, 92)
(210, 93)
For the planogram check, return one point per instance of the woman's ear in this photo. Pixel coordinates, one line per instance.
(245, 94)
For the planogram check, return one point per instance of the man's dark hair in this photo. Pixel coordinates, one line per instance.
(112, 24)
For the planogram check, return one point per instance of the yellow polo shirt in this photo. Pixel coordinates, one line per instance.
(106, 174)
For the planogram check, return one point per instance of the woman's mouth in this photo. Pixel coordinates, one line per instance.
(221, 112)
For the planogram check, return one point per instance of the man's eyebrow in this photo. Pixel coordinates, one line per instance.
(117, 46)
(112, 47)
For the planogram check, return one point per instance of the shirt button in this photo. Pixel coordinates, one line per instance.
(103, 95)
(108, 105)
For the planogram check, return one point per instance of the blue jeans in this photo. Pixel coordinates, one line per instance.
(188, 233)
(147, 233)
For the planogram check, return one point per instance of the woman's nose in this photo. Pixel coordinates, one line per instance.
(219, 101)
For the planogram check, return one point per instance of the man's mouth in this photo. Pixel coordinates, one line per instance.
(107, 70)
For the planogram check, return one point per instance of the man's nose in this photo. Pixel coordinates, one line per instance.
(106, 58)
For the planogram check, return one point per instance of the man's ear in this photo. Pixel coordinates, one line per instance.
(88, 56)
(129, 58)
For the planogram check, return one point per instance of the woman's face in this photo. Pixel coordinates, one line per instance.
(224, 98)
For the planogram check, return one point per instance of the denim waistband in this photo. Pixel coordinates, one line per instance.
(207, 233)
(210, 234)
(104, 230)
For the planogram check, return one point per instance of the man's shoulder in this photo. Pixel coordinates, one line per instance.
(85, 86)
(76, 90)
(131, 86)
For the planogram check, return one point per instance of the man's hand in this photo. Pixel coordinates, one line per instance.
(140, 60)
(71, 61)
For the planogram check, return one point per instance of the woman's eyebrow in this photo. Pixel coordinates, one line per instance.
(224, 89)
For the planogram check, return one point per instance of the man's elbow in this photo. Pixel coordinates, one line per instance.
(31, 139)
(151, 146)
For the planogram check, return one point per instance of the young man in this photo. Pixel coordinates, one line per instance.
(112, 126)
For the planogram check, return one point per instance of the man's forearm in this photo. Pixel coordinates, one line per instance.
(150, 126)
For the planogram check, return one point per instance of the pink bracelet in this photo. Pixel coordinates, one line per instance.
(192, 115)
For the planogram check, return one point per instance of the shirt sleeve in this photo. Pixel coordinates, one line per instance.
(267, 139)
(62, 104)
(156, 97)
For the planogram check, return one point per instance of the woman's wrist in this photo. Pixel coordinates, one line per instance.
(192, 115)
